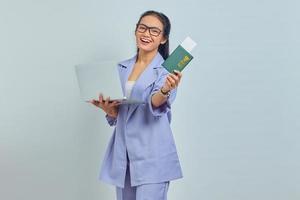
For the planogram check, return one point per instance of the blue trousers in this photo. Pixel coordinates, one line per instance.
(153, 191)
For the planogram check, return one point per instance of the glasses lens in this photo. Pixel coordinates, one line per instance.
(141, 28)
(154, 31)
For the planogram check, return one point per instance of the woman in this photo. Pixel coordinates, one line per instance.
(141, 158)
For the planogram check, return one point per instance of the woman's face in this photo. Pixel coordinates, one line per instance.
(149, 39)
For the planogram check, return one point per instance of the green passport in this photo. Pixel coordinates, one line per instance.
(180, 57)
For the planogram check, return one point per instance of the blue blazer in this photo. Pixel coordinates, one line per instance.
(143, 131)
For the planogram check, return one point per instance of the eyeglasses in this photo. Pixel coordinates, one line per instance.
(142, 28)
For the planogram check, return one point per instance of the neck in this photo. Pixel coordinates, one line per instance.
(144, 58)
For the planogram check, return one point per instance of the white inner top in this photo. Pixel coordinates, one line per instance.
(128, 88)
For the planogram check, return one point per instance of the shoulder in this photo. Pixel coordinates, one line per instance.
(127, 62)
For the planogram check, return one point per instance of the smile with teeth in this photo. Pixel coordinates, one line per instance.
(145, 40)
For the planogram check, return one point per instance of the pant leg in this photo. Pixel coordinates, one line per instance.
(156, 191)
(128, 192)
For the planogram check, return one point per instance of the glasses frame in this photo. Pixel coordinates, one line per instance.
(148, 28)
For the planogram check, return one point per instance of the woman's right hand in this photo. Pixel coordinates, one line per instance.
(110, 108)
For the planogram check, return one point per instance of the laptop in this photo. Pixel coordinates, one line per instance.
(102, 77)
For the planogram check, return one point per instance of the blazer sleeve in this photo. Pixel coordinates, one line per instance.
(166, 106)
(111, 121)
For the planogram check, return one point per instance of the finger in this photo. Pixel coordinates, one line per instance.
(170, 79)
(111, 104)
(178, 74)
(95, 102)
(91, 101)
(100, 101)
(115, 103)
(107, 101)
(100, 97)
(169, 84)
(173, 83)
(174, 77)
(179, 78)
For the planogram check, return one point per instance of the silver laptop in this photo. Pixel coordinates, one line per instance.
(102, 77)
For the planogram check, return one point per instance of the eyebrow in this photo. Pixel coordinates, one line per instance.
(151, 26)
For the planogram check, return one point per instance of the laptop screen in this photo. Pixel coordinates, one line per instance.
(95, 78)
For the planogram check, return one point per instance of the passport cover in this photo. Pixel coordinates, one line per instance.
(178, 59)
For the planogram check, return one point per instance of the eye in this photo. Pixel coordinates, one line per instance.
(142, 28)
(155, 31)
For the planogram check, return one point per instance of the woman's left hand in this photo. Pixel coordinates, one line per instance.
(172, 81)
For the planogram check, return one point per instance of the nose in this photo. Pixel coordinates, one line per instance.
(147, 33)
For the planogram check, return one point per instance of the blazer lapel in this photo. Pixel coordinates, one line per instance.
(146, 78)
(125, 68)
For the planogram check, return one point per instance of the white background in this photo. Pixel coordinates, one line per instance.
(235, 119)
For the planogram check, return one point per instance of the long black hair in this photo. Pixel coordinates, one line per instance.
(163, 49)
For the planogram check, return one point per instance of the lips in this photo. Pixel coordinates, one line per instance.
(145, 41)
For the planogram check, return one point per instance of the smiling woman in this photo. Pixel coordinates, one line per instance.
(155, 23)
(141, 157)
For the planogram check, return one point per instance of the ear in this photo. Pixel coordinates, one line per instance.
(163, 41)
